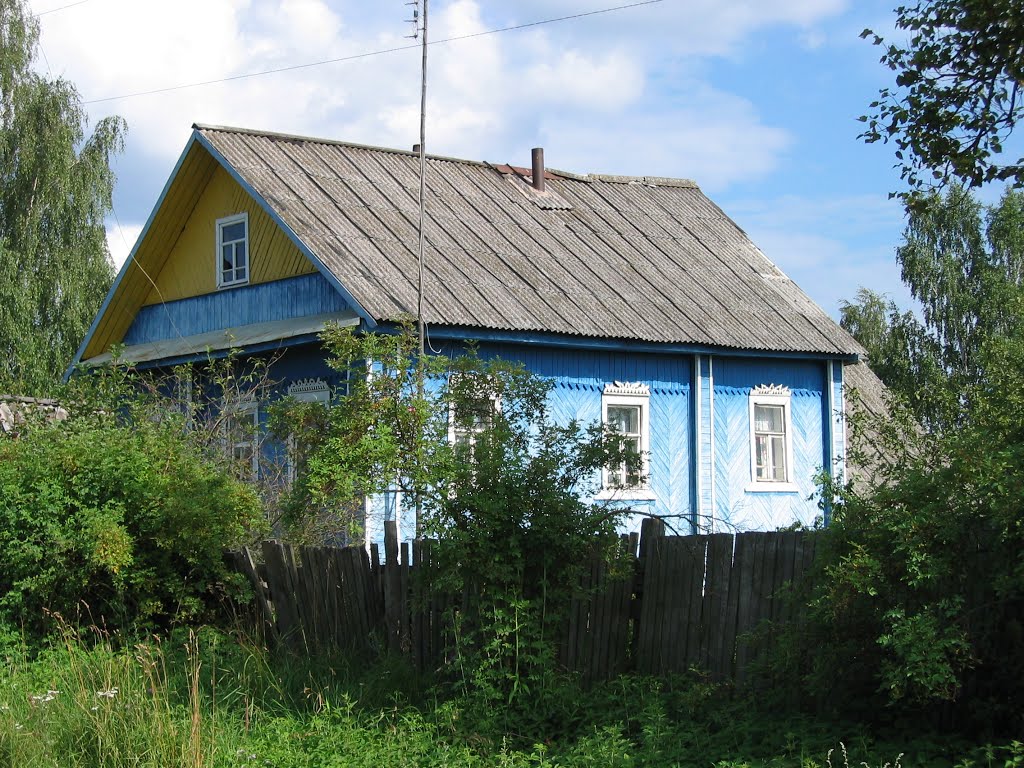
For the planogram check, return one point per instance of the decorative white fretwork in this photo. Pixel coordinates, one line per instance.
(771, 389)
(628, 388)
(309, 390)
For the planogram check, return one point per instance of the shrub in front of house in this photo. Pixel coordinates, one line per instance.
(115, 517)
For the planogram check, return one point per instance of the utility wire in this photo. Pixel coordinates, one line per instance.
(62, 8)
(364, 55)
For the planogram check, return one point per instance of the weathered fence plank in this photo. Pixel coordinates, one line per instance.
(669, 604)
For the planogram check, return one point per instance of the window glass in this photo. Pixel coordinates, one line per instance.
(625, 407)
(232, 232)
(241, 427)
(470, 419)
(232, 236)
(770, 442)
(304, 391)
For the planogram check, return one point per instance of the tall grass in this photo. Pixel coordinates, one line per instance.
(97, 706)
(208, 698)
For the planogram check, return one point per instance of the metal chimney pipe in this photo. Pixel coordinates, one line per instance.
(538, 168)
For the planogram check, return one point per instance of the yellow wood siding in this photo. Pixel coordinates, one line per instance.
(190, 266)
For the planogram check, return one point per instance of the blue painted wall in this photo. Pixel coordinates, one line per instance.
(578, 379)
(699, 469)
(736, 507)
(232, 307)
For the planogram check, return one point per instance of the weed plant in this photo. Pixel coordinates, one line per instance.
(207, 698)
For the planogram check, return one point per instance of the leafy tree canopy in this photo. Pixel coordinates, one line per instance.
(957, 92)
(964, 265)
(55, 190)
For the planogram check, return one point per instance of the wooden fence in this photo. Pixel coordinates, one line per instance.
(684, 601)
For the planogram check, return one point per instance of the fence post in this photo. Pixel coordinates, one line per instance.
(392, 587)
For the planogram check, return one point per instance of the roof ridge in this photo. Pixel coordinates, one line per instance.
(658, 181)
(333, 142)
(654, 181)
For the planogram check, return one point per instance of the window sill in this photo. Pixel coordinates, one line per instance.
(235, 284)
(626, 494)
(768, 487)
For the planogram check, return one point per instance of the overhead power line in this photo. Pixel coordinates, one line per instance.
(62, 8)
(366, 54)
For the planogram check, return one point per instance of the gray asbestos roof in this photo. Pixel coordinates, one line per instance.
(635, 258)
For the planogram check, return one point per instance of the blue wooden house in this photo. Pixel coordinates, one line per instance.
(642, 302)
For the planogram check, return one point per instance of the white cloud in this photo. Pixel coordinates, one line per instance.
(573, 79)
(695, 28)
(715, 139)
(120, 241)
(509, 86)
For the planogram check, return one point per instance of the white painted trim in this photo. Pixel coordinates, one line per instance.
(495, 406)
(218, 229)
(778, 396)
(238, 337)
(630, 394)
(310, 391)
(626, 494)
(770, 487)
(627, 389)
(699, 441)
(711, 441)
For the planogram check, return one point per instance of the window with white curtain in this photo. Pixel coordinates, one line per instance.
(771, 439)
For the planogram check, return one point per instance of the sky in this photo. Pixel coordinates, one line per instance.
(755, 100)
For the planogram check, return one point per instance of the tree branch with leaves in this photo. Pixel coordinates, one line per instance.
(957, 93)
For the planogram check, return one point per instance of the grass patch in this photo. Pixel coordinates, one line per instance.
(213, 699)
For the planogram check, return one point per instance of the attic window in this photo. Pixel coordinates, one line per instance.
(233, 250)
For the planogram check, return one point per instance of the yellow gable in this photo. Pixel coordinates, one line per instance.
(191, 265)
(176, 256)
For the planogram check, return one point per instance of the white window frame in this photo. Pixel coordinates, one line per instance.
(238, 410)
(218, 262)
(638, 395)
(304, 391)
(772, 395)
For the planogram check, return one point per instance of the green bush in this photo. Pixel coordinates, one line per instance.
(920, 598)
(493, 480)
(116, 517)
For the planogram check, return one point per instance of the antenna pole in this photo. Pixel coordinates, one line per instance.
(420, 362)
(423, 173)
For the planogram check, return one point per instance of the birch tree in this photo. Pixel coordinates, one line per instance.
(964, 264)
(959, 67)
(56, 189)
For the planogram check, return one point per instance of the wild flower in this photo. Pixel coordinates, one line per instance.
(42, 698)
(846, 759)
(107, 694)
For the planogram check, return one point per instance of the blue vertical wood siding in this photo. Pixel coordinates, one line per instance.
(736, 507)
(578, 379)
(700, 452)
(232, 307)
